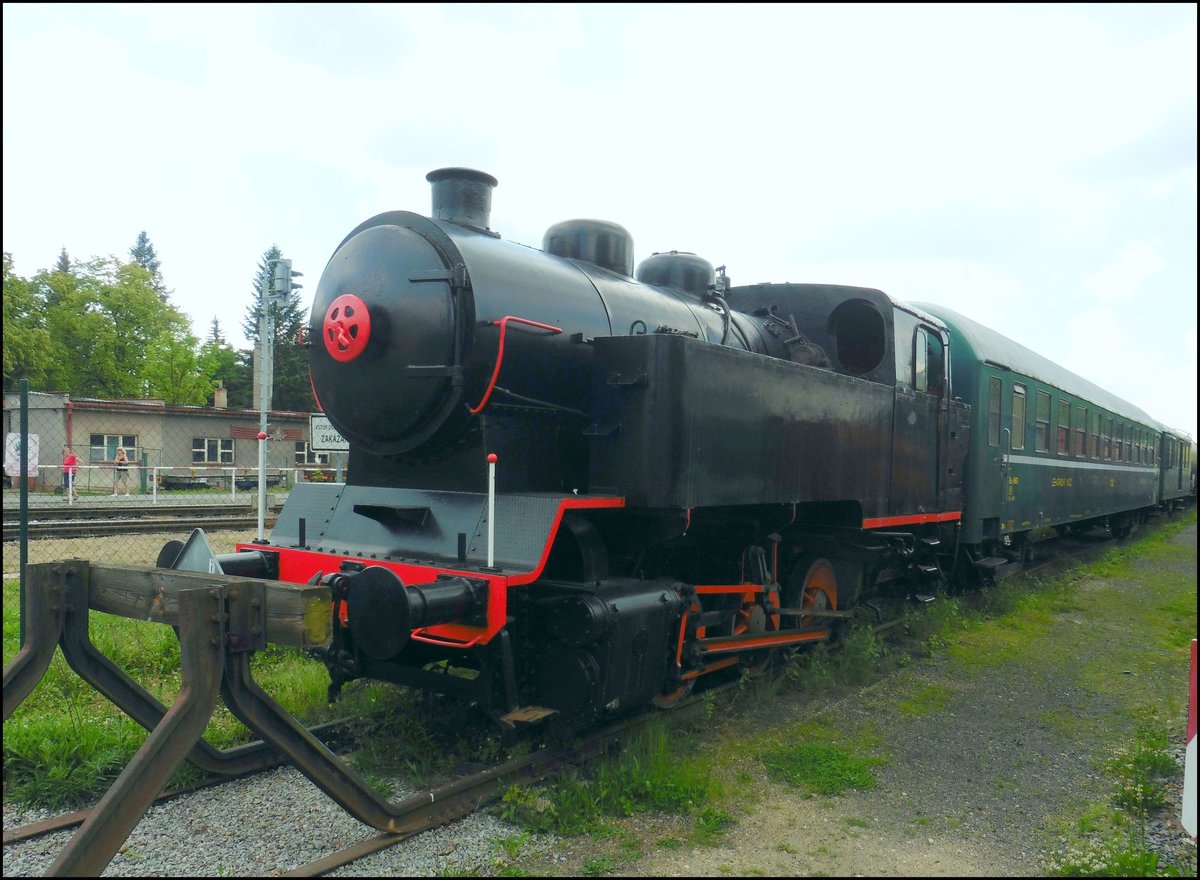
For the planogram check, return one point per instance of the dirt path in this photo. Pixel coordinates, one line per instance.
(989, 747)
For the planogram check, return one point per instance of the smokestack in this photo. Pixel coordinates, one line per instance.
(220, 397)
(462, 195)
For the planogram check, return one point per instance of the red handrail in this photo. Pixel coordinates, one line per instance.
(503, 323)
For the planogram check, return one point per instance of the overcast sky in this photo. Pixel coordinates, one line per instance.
(1032, 167)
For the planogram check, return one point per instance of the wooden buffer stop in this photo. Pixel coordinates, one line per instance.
(221, 620)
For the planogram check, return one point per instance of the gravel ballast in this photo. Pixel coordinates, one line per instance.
(969, 789)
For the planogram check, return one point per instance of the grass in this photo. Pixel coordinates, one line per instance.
(65, 740)
(65, 744)
(650, 775)
(1111, 839)
(820, 768)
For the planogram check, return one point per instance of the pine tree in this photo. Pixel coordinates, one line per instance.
(215, 332)
(292, 389)
(64, 263)
(143, 254)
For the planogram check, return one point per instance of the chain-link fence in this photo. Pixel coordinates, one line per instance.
(112, 481)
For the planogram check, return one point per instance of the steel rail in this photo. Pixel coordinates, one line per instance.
(144, 525)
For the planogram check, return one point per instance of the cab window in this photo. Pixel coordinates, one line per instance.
(920, 362)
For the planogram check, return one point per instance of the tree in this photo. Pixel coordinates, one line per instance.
(102, 320)
(215, 332)
(64, 263)
(174, 372)
(143, 254)
(26, 340)
(232, 368)
(292, 388)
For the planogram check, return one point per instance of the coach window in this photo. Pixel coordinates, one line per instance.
(1106, 439)
(1041, 423)
(1080, 431)
(1094, 436)
(1064, 427)
(1118, 441)
(993, 411)
(1018, 417)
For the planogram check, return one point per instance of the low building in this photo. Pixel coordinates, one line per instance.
(167, 443)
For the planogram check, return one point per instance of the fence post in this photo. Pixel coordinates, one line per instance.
(233, 484)
(142, 471)
(24, 536)
(154, 486)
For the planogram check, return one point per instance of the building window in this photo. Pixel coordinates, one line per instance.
(1064, 427)
(1041, 425)
(993, 411)
(1017, 441)
(212, 450)
(1094, 436)
(306, 456)
(104, 446)
(1080, 431)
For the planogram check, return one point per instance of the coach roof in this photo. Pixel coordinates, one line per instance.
(990, 347)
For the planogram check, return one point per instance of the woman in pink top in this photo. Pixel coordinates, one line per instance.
(70, 467)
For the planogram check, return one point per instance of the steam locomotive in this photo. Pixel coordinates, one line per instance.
(575, 488)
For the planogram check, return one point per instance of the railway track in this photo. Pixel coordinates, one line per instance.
(458, 798)
(85, 522)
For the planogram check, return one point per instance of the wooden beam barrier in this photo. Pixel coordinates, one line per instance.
(297, 615)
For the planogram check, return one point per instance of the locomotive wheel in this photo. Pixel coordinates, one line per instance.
(813, 584)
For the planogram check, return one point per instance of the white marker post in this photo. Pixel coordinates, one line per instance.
(1188, 816)
(491, 508)
(262, 483)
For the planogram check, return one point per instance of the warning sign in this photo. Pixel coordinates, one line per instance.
(324, 437)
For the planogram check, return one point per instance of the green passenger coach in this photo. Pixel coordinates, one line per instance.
(1048, 447)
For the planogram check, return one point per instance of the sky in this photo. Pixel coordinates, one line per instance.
(1029, 166)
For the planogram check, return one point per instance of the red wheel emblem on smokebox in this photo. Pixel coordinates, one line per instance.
(347, 328)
